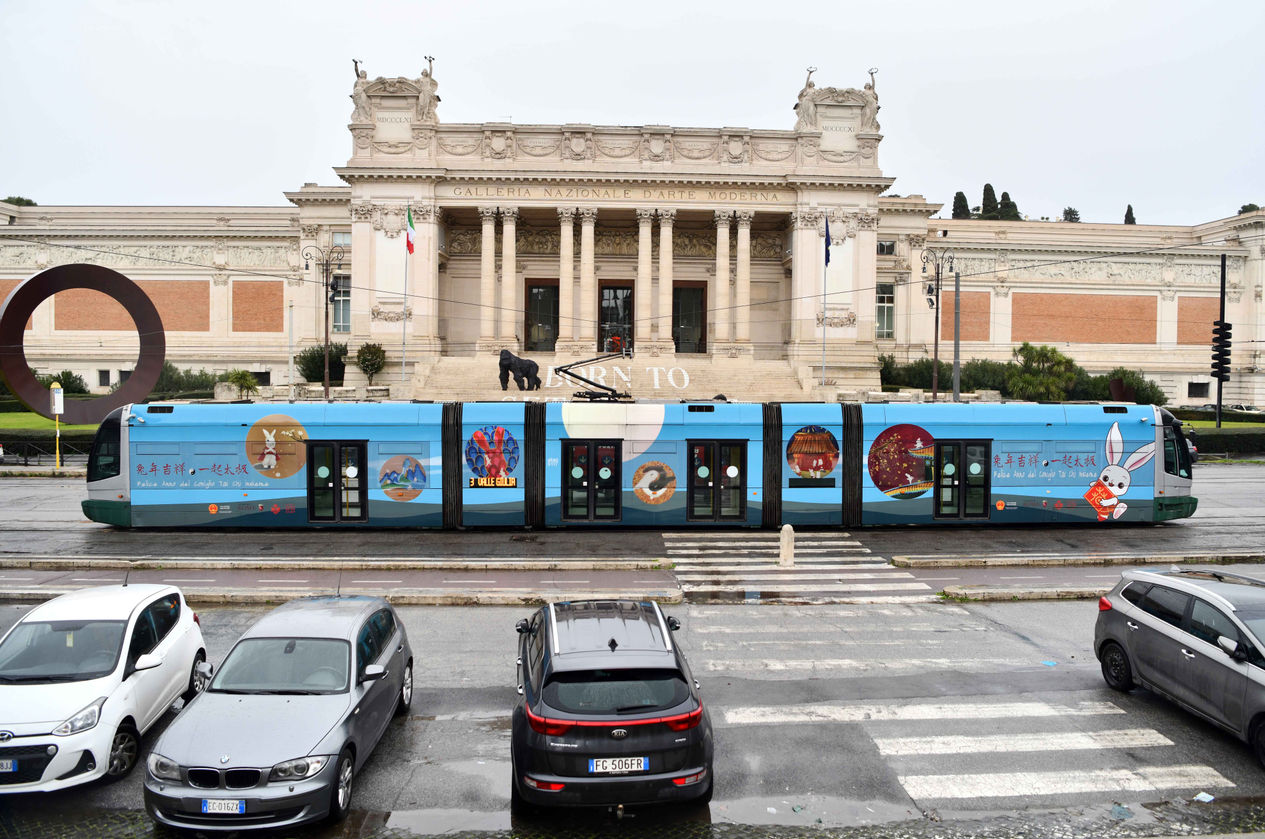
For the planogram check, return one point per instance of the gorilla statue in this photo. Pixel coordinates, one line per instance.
(520, 368)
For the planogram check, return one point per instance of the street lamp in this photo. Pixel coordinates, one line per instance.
(938, 261)
(325, 264)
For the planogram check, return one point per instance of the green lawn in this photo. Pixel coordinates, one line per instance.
(29, 420)
(1224, 424)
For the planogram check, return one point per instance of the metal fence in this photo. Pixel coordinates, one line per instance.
(43, 453)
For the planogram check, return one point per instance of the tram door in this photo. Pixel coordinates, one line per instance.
(718, 480)
(336, 486)
(591, 480)
(962, 481)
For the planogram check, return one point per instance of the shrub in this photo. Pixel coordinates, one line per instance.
(71, 382)
(244, 381)
(174, 380)
(371, 359)
(1040, 374)
(311, 363)
(983, 374)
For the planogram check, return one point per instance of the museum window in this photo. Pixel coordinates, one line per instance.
(886, 248)
(264, 378)
(1196, 390)
(124, 375)
(103, 378)
(885, 310)
(341, 304)
(341, 239)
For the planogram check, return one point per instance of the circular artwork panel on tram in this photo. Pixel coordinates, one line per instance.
(901, 459)
(492, 452)
(654, 482)
(277, 446)
(402, 478)
(813, 452)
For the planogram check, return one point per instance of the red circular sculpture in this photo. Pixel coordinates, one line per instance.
(21, 304)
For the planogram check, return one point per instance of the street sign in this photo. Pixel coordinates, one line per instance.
(59, 401)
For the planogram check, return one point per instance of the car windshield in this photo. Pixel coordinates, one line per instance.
(285, 665)
(60, 651)
(1253, 618)
(615, 691)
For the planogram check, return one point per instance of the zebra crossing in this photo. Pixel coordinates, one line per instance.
(830, 567)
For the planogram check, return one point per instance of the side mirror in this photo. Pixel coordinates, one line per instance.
(674, 624)
(522, 626)
(147, 662)
(1235, 648)
(205, 669)
(374, 672)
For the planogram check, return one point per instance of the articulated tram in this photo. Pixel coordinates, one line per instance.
(635, 464)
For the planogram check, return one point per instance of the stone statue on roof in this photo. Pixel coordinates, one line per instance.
(359, 98)
(427, 99)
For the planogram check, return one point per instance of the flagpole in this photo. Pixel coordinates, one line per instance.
(408, 219)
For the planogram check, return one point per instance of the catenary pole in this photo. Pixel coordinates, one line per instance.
(404, 319)
(935, 360)
(290, 351)
(1222, 320)
(957, 333)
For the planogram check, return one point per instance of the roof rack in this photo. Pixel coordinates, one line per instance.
(1219, 576)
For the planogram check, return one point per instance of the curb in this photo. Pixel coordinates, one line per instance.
(53, 563)
(1009, 593)
(398, 597)
(63, 474)
(1044, 561)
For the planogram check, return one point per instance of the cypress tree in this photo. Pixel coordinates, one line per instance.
(1008, 210)
(1128, 215)
(1070, 214)
(960, 208)
(988, 207)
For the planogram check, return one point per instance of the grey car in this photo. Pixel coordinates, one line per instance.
(1193, 636)
(292, 714)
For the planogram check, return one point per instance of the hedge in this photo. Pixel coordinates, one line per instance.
(1228, 440)
(1226, 416)
(43, 435)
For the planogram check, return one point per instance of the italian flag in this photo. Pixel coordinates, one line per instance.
(412, 231)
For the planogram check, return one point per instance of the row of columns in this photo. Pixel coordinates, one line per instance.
(722, 313)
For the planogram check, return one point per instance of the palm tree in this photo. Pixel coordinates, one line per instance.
(1040, 374)
(244, 381)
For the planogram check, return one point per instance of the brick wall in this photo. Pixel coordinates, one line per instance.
(1084, 318)
(183, 305)
(1194, 319)
(7, 286)
(258, 306)
(975, 315)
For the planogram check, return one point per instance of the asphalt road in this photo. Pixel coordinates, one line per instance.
(854, 716)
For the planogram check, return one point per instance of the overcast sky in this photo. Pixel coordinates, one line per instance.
(1090, 104)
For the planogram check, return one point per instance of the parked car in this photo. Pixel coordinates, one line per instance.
(1192, 636)
(1192, 449)
(608, 712)
(85, 675)
(292, 714)
(1247, 409)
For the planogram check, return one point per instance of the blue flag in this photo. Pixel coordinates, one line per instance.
(827, 240)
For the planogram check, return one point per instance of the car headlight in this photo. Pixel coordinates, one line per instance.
(163, 768)
(82, 721)
(294, 770)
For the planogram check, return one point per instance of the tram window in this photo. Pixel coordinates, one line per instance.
(592, 479)
(576, 480)
(718, 480)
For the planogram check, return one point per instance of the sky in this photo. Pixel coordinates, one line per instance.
(1094, 105)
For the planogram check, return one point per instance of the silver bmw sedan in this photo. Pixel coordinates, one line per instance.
(292, 714)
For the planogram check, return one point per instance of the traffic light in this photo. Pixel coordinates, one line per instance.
(333, 289)
(931, 295)
(1221, 350)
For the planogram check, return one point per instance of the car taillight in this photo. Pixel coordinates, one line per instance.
(690, 779)
(683, 722)
(554, 728)
(1104, 605)
(197, 619)
(543, 786)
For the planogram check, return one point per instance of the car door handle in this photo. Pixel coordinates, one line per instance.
(1187, 653)
(400, 648)
(520, 690)
(519, 661)
(1132, 626)
(357, 711)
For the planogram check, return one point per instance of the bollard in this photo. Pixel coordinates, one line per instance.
(786, 556)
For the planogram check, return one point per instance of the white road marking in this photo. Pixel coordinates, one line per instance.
(1037, 577)
(377, 581)
(780, 615)
(1101, 576)
(743, 535)
(655, 582)
(469, 581)
(784, 665)
(733, 551)
(280, 581)
(182, 580)
(804, 588)
(1128, 738)
(1013, 784)
(772, 545)
(557, 582)
(792, 574)
(817, 627)
(791, 644)
(778, 714)
(765, 565)
(17, 578)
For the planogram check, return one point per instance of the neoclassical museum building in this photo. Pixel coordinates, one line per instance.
(701, 251)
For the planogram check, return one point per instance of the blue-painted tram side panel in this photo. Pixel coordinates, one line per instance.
(812, 477)
(976, 464)
(248, 466)
(652, 464)
(492, 486)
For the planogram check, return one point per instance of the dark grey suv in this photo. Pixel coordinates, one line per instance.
(1193, 636)
(608, 712)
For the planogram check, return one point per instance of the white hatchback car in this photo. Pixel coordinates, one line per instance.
(84, 675)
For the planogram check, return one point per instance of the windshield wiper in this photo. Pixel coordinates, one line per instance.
(237, 692)
(56, 677)
(623, 709)
(298, 692)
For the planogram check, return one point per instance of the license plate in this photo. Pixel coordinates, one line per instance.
(8, 766)
(224, 805)
(611, 765)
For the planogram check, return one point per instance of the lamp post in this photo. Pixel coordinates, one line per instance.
(325, 261)
(938, 260)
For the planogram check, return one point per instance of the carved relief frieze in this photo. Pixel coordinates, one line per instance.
(43, 255)
(393, 147)
(1001, 289)
(773, 152)
(258, 256)
(735, 149)
(766, 246)
(219, 278)
(464, 240)
(808, 149)
(619, 147)
(917, 241)
(310, 231)
(539, 147)
(498, 145)
(1234, 264)
(422, 138)
(656, 148)
(377, 313)
(363, 137)
(695, 149)
(1234, 292)
(577, 145)
(460, 146)
(846, 319)
(362, 211)
(219, 257)
(389, 218)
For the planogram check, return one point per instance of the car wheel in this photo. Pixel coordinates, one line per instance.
(1258, 743)
(196, 682)
(125, 748)
(340, 795)
(406, 691)
(706, 798)
(1115, 668)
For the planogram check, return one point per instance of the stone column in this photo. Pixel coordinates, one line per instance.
(424, 284)
(487, 277)
(509, 274)
(742, 288)
(566, 278)
(805, 279)
(666, 217)
(588, 278)
(645, 273)
(719, 303)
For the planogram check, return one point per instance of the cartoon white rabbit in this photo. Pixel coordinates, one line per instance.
(268, 460)
(1115, 477)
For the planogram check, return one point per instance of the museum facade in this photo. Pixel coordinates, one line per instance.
(702, 252)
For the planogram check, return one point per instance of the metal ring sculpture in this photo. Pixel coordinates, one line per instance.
(30, 293)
